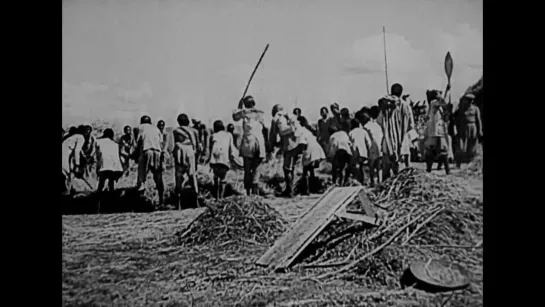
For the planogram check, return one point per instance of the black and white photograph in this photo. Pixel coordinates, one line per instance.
(272, 153)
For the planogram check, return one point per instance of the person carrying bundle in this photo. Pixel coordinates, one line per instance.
(287, 127)
(313, 154)
(185, 163)
(340, 153)
(109, 167)
(222, 152)
(252, 148)
(71, 159)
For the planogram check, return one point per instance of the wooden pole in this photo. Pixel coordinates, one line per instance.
(255, 69)
(385, 60)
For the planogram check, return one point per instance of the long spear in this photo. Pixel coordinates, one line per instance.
(255, 69)
(385, 60)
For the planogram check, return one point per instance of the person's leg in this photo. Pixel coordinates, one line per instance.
(254, 180)
(335, 168)
(386, 165)
(289, 160)
(378, 167)
(159, 184)
(372, 172)
(101, 182)
(430, 158)
(247, 175)
(142, 170)
(471, 148)
(111, 184)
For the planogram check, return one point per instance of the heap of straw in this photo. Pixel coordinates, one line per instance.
(425, 216)
(235, 219)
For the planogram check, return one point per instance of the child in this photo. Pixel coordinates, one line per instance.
(359, 149)
(340, 152)
(374, 144)
(222, 150)
(313, 154)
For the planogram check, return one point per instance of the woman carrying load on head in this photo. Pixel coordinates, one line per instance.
(254, 136)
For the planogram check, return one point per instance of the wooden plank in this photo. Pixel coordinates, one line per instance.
(358, 217)
(277, 250)
(308, 228)
(366, 204)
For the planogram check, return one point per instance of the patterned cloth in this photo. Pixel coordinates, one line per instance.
(396, 122)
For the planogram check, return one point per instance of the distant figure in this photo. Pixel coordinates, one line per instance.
(437, 146)
(222, 151)
(127, 146)
(109, 167)
(88, 150)
(313, 154)
(254, 138)
(185, 148)
(358, 139)
(340, 152)
(374, 145)
(236, 136)
(71, 159)
(335, 119)
(297, 112)
(164, 141)
(345, 117)
(396, 120)
(323, 128)
(469, 129)
(149, 146)
(287, 127)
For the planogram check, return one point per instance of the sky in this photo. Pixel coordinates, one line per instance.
(125, 58)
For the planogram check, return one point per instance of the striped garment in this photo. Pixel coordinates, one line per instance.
(396, 123)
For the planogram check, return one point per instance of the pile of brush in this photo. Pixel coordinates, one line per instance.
(422, 216)
(233, 220)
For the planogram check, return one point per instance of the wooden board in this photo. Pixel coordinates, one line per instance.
(366, 204)
(358, 217)
(289, 246)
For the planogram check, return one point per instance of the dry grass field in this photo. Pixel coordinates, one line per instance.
(160, 258)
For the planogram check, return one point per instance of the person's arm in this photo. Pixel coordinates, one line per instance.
(238, 114)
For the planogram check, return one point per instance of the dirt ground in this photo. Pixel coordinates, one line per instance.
(133, 259)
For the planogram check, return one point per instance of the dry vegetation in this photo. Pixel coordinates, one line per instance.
(169, 259)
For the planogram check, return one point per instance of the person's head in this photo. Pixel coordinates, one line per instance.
(335, 109)
(87, 130)
(297, 112)
(145, 120)
(397, 90)
(345, 113)
(80, 130)
(324, 112)
(230, 128)
(467, 100)
(183, 120)
(432, 95)
(374, 112)
(303, 121)
(355, 123)
(365, 118)
(276, 108)
(108, 134)
(161, 125)
(127, 130)
(218, 126)
(383, 103)
(248, 102)
(333, 129)
(73, 130)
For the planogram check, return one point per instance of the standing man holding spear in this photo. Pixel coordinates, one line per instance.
(254, 137)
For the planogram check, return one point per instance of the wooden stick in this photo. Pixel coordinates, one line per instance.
(253, 73)
(385, 60)
(379, 248)
(421, 225)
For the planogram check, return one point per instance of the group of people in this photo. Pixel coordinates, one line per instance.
(379, 138)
